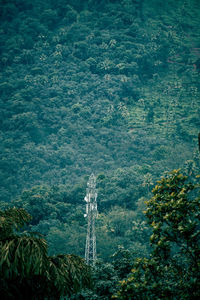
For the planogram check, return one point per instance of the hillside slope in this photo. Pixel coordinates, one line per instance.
(96, 86)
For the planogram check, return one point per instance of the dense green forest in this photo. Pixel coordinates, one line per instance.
(104, 86)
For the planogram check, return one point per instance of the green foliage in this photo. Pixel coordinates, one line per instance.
(58, 215)
(172, 271)
(105, 280)
(105, 276)
(12, 217)
(123, 262)
(96, 85)
(110, 87)
(26, 269)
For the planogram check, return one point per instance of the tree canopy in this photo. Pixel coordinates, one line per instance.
(173, 269)
(95, 86)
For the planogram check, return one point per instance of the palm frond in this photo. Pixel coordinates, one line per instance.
(23, 255)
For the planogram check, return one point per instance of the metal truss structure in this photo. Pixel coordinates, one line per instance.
(91, 214)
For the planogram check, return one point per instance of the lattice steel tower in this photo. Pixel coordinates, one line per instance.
(91, 214)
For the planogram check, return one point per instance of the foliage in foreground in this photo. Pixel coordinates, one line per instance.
(26, 269)
(173, 270)
(106, 275)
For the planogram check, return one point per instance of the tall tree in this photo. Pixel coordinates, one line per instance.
(173, 269)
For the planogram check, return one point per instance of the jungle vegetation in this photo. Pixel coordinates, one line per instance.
(110, 87)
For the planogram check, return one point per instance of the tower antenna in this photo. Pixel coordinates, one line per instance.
(91, 214)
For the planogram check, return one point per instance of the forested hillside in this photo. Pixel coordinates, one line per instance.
(108, 86)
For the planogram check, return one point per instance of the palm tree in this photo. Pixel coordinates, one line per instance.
(26, 271)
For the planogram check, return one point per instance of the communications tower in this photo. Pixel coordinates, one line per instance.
(91, 214)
